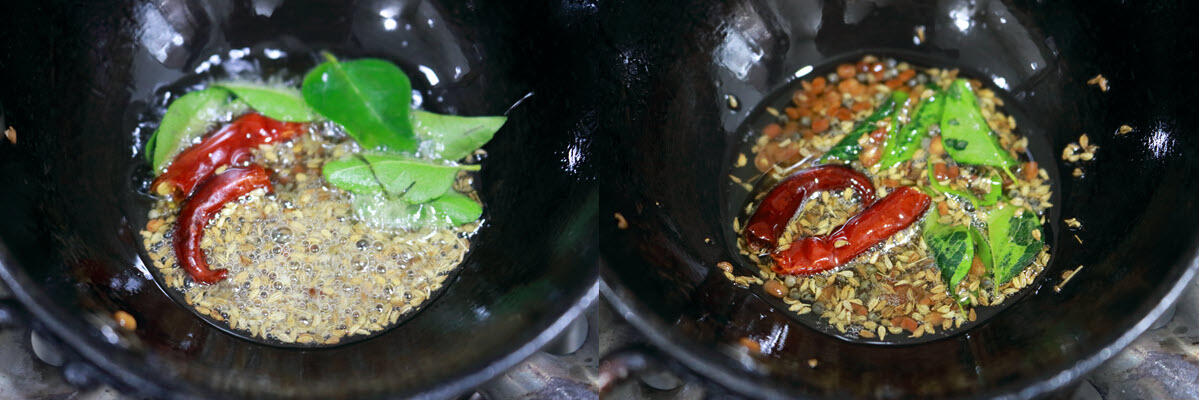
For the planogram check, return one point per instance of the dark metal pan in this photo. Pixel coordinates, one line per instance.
(670, 137)
(80, 75)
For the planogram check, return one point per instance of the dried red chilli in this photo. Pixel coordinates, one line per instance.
(231, 145)
(209, 199)
(813, 254)
(780, 205)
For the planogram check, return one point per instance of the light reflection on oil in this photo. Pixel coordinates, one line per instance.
(1159, 142)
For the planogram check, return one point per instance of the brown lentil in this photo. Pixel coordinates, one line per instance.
(750, 345)
(125, 320)
(775, 288)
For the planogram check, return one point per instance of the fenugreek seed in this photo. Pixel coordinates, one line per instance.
(1099, 80)
(621, 222)
(775, 288)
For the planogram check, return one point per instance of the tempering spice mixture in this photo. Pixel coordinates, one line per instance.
(311, 212)
(896, 287)
(301, 267)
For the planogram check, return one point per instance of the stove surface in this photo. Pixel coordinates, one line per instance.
(1161, 364)
(565, 369)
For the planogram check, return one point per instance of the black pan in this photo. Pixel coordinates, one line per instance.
(80, 78)
(671, 137)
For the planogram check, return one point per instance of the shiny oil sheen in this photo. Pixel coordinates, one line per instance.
(781, 97)
(79, 76)
(671, 135)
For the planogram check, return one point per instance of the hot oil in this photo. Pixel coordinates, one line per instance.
(302, 268)
(897, 281)
(430, 52)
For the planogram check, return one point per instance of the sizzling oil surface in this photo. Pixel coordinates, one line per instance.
(302, 268)
(894, 292)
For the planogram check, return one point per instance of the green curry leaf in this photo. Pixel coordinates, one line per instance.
(965, 133)
(1012, 242)
(369, 97)
(414, 180)
(982, 249)
(995, 190)
(993, 195)
(187, 118)
(902, 144)
(456, 207)
(387, 211)
(281, 103)
(952, 247)
(383, 211)
(351, 174)
(453, 137)
(848, 148)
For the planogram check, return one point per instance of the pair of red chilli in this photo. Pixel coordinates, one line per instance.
(809, 255)
(192, 176)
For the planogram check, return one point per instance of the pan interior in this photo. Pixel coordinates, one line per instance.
(82, 75)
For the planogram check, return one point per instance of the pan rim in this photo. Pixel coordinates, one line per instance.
(119, 368)
(702, 360)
